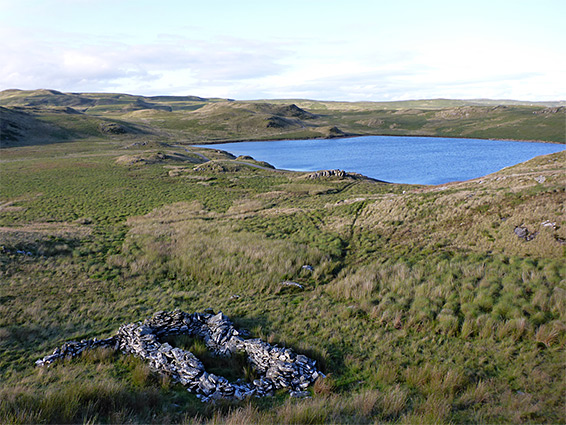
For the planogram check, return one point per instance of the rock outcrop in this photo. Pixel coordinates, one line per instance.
(294, 111)
(328, 173)
(276, 367)
(550, 110)
(112, 128)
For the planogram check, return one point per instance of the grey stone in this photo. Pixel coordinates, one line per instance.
(524, 233)
(290, 283)
(277, 367)
(521, 232)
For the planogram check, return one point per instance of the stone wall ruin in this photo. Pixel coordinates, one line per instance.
(276, 367)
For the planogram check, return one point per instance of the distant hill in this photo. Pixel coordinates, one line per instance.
(43, 97)
(48, 116)
(409, 104)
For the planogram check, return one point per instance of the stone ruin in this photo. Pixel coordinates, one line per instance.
(276, 367)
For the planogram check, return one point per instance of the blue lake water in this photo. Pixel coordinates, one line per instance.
(396, 159)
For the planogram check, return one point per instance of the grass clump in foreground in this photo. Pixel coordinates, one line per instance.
(422, 306)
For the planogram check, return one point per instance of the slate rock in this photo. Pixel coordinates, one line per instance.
(277, 367)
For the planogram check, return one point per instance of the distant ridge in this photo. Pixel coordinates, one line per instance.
(17, 96)
(46, 97)
(423, 103)
(54, 116)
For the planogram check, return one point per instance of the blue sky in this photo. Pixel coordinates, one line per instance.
(328, 50)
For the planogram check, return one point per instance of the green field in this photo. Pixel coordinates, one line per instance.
(423, 306)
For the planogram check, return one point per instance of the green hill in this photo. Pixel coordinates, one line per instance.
(193, 119)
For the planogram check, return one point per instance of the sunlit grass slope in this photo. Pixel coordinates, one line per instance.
(423, 306)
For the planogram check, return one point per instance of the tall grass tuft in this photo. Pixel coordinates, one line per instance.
(310, 411)
(393, 401)
(551, 333)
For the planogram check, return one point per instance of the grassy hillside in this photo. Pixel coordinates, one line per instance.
(190, 119)
(443, 304)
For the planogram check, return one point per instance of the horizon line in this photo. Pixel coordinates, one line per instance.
(290, 98)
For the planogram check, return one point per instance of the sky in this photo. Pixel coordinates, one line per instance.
(352, 50)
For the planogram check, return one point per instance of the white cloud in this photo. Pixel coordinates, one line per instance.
(100, 64)
(289, 67)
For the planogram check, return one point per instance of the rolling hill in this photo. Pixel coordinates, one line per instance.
(58, 116)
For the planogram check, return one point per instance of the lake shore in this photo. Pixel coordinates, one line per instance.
(398, 159)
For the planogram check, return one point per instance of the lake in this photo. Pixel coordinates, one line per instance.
(395, 159)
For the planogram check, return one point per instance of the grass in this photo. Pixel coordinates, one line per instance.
(423, 306)
(46, 119)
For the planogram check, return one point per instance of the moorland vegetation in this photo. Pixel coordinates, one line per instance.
(422, 304)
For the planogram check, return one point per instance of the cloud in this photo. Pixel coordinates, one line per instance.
(290, 67)
(464, 69)
(69, 63)
(401, 82)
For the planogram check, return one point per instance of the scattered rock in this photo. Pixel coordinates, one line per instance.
(524, 233)
(276, 367)
(548, 223)
(299, 394)
(540, 179)
(290, 283)
(521, 232)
